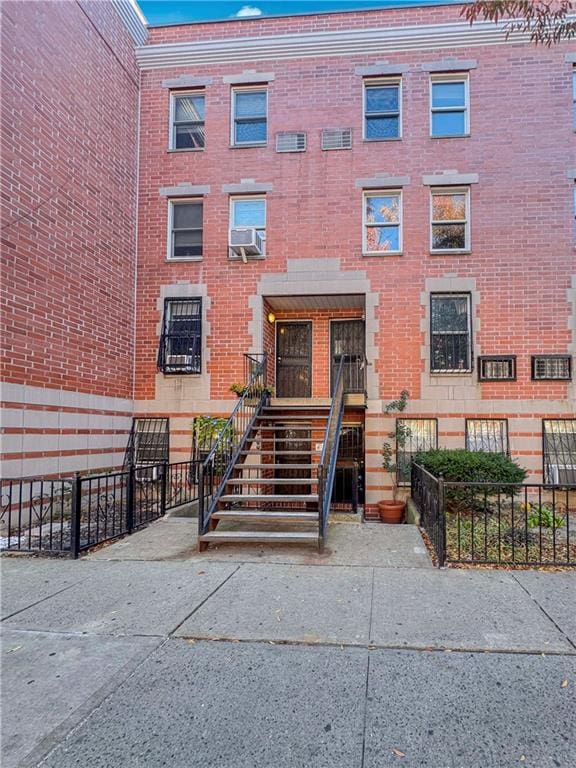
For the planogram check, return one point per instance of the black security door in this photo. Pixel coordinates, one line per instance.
(294, 359)
(347, 338)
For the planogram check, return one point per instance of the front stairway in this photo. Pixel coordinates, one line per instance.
(272, 493)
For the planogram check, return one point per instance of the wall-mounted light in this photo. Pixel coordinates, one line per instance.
(271, 317)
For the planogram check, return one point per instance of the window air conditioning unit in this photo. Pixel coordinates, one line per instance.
(246, 242)
(178, 362)
(563, 474)
(146, 474)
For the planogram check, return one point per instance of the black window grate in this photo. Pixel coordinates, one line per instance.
(497, 368)
(551, 367)
(416, 435)
(180, 349)
(451, 332)
(490, 435)
(559, 451)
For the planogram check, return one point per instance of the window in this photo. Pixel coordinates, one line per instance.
(187, 121)
(382, 105)
(449, 106)
(185, 230)
(417, 435)
(559, 451)
(451, 347)
(551, 367)
(497, 368)
(489, 435)
(249, 213)
(181, 339)
(450, 220)
(249, 110)
(574, 99)
(382, 222)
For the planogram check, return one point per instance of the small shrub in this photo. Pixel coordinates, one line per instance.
(464, 466)
(543, 517)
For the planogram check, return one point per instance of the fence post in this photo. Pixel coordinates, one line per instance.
(200, 469)
(130, 498)
(441, 550)
(164, 481)
(75, 515)
(355, 487)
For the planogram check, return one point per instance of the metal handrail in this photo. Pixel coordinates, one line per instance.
(329, 455)
(217, 467)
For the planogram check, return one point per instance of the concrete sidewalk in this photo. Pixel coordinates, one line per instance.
(242, 660)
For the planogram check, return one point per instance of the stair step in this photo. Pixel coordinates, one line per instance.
(275, 466)
(261, 536)
(292, 439)
(260, 452)
(272, 481)
(265, 515)
(276, 497)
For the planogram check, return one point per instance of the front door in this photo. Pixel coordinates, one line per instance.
(347, 338)
(294, 359)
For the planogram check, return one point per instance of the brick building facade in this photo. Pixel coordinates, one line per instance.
(413, 178)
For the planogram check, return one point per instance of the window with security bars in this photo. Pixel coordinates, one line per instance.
(382, 104)
(181, 340)
(451, 333)
(186, 226)
(559, 451)
(249, 113)
(490, 435)
(415, 436)
(187, 129)
(497, 368)
(551, 367)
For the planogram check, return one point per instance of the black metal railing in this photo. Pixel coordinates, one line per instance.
(329, 455)
(217, 468)
(497, 523)
(69, 516)
(353, 373)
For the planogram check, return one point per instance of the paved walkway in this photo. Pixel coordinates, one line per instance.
(243, 658)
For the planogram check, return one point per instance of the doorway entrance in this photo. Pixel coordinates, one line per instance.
(294, 359)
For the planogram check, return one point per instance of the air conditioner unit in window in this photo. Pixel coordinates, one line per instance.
(562, 474)
(146, 474)
(246, 242)
(179, 362)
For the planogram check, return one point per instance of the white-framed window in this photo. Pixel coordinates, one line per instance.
(187, 120)
(185, 229)
(451, 333)
(449, 105)
(249, 116)
(382, 109)
(382, 222)
(249, 212)
(449, 219)
(490, 435)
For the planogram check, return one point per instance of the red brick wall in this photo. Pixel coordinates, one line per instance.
(522, 218)
(69, 141)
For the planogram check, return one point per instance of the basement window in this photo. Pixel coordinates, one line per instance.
(180, 349)
(551, 367)
(497, 368)
(559, 451)
(489, 435)
(418, 435)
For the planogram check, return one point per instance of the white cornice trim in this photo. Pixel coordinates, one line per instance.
(133, 19)
(332, 43)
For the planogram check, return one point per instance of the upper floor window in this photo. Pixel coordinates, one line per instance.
(382, 110)
(449, 111)
(249, 116)
(185, 229)
(249, 213)
(574, 98)
(181, 340)
(451, 332)
(450, 220)
(382, 222)
(187, 121)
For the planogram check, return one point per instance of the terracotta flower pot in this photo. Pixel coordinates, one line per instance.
(391, 512)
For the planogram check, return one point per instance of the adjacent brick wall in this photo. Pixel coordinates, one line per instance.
(69, 158)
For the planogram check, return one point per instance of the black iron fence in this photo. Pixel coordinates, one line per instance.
(69, 516)
(497, 523)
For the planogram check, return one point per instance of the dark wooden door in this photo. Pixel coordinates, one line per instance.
(347, 338)
(296, 441)
(294, 359)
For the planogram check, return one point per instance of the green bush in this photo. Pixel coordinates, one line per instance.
(464, 466)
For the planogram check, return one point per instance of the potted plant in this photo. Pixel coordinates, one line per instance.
(256, 390)
(238, 388)
(392, 511)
